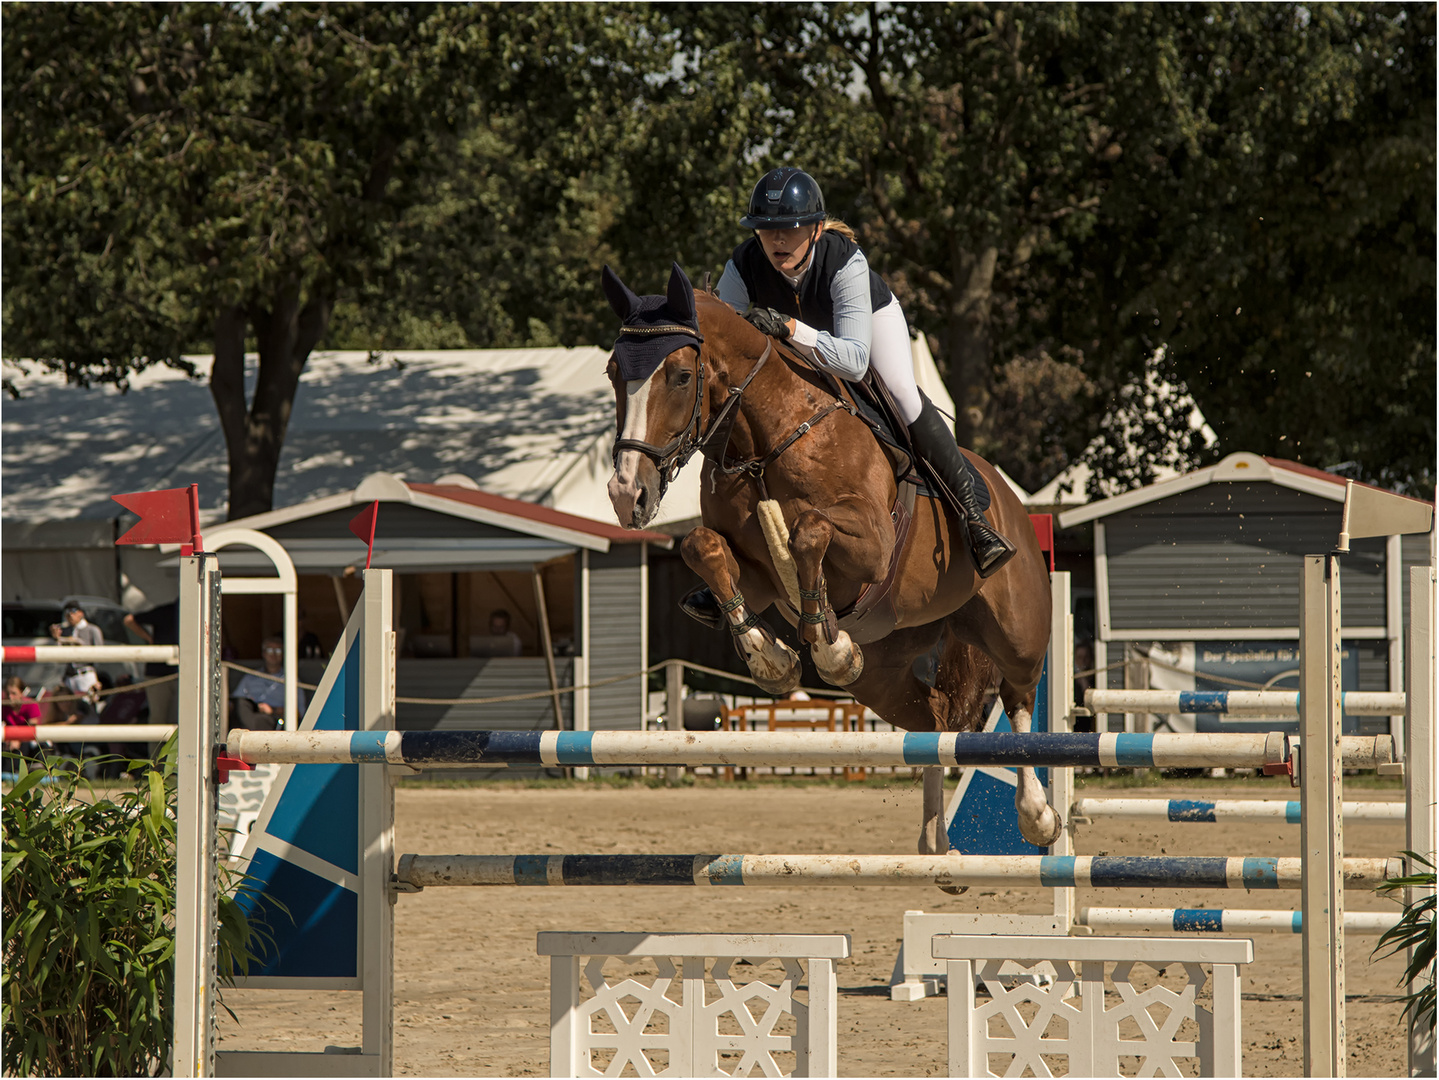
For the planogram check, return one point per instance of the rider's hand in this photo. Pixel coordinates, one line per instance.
(771, 322)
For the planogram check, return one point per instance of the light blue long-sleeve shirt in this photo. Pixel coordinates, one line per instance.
(844, 352)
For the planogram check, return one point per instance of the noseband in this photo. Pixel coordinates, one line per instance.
(675, 454)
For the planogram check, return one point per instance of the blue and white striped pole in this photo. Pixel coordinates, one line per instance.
(1194, 810)
(1018, 871)
(1221, 920)
(470, 749)
(1234, 702)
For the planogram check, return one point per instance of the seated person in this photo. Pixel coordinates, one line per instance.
(258, 703)
(501, 641)
(19, 710)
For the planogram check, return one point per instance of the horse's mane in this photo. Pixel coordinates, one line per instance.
(725, 320)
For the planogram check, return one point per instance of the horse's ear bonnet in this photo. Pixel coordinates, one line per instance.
(654, 326)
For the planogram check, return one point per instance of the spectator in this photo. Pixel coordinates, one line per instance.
(502, 641)
(159, 626)
(74, 629)
(124, 707)
(19, 710)
(309, 647)
(258, 703)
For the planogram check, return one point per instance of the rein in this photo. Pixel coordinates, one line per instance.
(714, 439)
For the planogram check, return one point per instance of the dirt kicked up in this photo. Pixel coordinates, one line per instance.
(472, 997)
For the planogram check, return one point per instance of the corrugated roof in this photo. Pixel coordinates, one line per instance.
(1239, 467)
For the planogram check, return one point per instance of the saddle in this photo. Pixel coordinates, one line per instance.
(873, 614)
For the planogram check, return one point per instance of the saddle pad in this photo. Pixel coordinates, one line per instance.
(877, 410)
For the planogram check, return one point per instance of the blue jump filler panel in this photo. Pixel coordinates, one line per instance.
(981, 817)
(304, 869)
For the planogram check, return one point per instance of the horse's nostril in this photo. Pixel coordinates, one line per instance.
(640, 500)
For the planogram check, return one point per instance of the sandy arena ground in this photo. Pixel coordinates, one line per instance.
(472, 997)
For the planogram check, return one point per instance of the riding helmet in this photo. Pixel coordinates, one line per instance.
(783, 199)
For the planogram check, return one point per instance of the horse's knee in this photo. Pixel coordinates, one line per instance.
(810, 537)
(704, 549)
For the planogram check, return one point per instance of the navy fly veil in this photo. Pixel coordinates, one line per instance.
(654, 326)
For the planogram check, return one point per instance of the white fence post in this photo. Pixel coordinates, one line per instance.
(197, 835)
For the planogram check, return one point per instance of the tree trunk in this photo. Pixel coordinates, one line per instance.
(255, 433)
(967, 346)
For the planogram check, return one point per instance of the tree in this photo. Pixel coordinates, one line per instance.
(176, 176)
(1067, 198)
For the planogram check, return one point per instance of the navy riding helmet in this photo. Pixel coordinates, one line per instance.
(783, 199)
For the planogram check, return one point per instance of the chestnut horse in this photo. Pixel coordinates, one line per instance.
(685, 369)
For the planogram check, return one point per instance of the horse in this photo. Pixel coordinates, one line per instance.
(783, 441)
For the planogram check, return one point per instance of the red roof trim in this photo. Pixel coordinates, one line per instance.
(545, 515)
(1320, 474)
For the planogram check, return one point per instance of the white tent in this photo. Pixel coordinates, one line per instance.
(531, 424)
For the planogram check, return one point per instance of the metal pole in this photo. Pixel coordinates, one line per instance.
(548, 646)
(197, 835)
(1321, 819)
(1419, 768)
(674, 709)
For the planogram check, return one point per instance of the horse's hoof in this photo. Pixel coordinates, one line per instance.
(839, 664)
(780, 687)
(1039, 836)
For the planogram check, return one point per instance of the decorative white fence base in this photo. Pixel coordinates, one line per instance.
(1072, 1019)
(917, 974)
(679, 1024)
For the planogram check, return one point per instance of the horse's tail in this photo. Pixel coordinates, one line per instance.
(966, 674)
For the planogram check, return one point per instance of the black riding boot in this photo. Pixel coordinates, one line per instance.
(934, 439)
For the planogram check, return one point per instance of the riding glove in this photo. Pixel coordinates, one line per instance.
(769, 321)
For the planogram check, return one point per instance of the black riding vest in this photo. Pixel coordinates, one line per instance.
(814, 303)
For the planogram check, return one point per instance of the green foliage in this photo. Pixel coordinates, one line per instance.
(1076, 202)
(89, 915)
(1415, 931)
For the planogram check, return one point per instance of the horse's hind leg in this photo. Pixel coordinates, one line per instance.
(1019, 656)
(1038, 822)
(774, 665)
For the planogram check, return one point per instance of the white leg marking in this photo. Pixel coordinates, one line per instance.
(1038, 823)
(841, 663)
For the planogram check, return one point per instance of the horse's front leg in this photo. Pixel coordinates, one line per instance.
(772, 663)
(838, 659)
(1038, 822)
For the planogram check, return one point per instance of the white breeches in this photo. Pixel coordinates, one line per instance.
(892, 360)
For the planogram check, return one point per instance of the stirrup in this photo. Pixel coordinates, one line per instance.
(989, 550)
(701, 606)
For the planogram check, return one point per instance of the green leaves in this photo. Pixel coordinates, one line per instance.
(88, 906)
(1414, 931)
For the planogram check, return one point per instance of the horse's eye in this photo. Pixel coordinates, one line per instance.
(685, 377)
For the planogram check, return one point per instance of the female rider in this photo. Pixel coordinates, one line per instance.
(803, 279)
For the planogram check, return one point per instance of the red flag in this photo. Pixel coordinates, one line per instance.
(363, 526)
(171, 516)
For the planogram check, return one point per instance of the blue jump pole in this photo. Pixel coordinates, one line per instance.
(1042, 871)
(470, 749)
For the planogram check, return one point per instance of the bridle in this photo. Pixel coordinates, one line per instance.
(713, 440)
(675, 454)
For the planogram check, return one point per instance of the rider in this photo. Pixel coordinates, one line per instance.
(802, 278)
